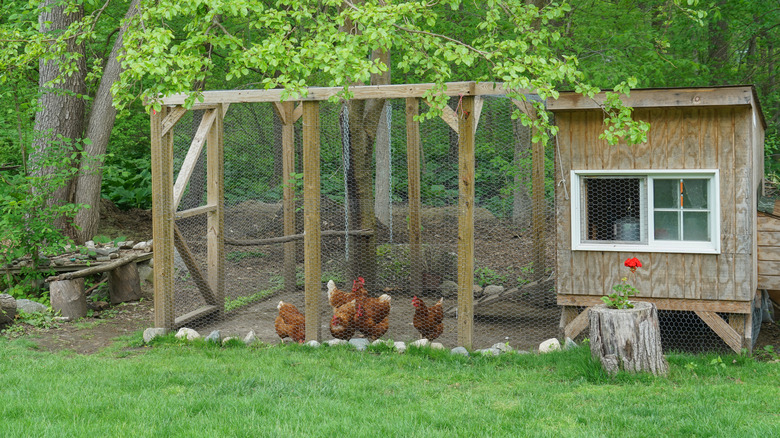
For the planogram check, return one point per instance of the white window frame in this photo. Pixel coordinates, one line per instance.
(651, 245)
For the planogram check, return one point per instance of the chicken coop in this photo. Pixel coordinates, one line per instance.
(684, 203)
(259, 200)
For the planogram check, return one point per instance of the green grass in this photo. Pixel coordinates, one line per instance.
(192, 390)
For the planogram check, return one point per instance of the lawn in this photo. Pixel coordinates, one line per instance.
(188, 390)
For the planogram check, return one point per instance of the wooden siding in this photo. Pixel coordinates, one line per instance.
(768, 252)
(707, 137)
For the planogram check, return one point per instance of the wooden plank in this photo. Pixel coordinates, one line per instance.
(174, 115)
(708, 271)
(744, 284)
(399, 91)
(726, 285)
(162, 221)
(195, 315)
(766, 267)
(727, 180)
(297, 113)
(691, 134)
(295, 237)
(769, 238)
(539, 213)
(675, 137)
(692, 279)
(658, 139)
(675, 278)
(649, 98)
(311, 218)
(580, 272)
(415, 201)
(563, 205)
(641, 153)
(188, 166)
(91, 270)
(203, 209)
(578, 324)
(722, 329)
(215, 195)
(708, 138)
(448, 115)
(288, 196)
(770, 282)
(466, 174)
(479, 102)
(660, 281)
(766, 223)
(206, 290)
(723, 306)
(768, 253)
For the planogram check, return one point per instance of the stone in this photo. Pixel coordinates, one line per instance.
(61, 319)
(8, 308)
(420, 343)
(187, 333)
(387, 342)
(214, 337)
(489, 351)
(478, 291)
(399, 346)
(494, 290)
(89, 244)
(503, 347)
(113, 255)
(141, 245)
(569, 343)
(127, 244)
(460, 350)
(335, 342)
(549, 346)
(312, 344)
(29, 306)
(97, 305)
(102, 258)
(250, 338)
(106, 251)
(360, 344)
(152, 332)
(145, 273)
(448, 289)
(228, 339)
(437, 346)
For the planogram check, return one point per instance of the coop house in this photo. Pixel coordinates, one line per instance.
(683, 203)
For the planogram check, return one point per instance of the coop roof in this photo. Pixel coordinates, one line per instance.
(732, 95)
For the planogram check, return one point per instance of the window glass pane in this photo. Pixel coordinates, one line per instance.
(696, 226)
(613, 208)
(666, 193)
(695, 193)
(667, 225)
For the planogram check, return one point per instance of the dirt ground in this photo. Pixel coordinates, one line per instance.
(521, 323)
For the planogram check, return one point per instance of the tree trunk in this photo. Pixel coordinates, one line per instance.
(67, 297)
(627, 339)
(521, 202)
(101, 121)
(61, 106)
(384, 159)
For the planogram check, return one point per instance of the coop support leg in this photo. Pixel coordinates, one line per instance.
(573, 323)
(724, 329)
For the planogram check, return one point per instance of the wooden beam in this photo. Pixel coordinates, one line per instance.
(653, 98)
(215, 195)
(294, 237)
(288, 196)
(173, 117)
(398, 91)
(192, 266)
(195, 315)
(724, 306)
(573, 323)
(722, 329)
(162, 220)
(539, 207)
(95, 269)
(413, 192)
(297, 113)
(188, 166)
(203, 209)
(466, 171)
(448, 115)
(311, 218)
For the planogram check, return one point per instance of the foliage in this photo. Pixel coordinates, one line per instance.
(485, 276)
(237, 256)
(623, 290)
(128, 183)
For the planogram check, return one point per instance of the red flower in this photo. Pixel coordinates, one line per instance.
(633, 263)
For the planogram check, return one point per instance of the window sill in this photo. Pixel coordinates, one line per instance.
(689, 248)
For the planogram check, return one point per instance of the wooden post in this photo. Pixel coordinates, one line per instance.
(215, 195)
(162, 220)
(288, 168)
(466, 222)
(539, 210)
(627, 339)
(311, 218)
(415, 203)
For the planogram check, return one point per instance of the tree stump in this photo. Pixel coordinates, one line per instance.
(627, 339)
(124, 284)
(7, 309)
(67, 297)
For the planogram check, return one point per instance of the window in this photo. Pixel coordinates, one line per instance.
(651, 211)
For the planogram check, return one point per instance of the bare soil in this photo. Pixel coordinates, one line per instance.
(522, 323)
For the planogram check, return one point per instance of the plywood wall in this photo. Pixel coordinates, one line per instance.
(680, 138)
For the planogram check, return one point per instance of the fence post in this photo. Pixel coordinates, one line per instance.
(162, 220)
(465, 116)
(311, 217)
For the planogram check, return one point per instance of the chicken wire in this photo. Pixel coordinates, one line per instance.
(514, 299)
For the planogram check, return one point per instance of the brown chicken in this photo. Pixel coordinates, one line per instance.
(290, 322)
(428, 320)
(372, 317)
(338, 298)
(342, 325)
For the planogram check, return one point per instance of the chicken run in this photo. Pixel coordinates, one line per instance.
(373, 217)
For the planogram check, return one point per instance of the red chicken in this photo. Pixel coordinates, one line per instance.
(290, 322)
(338, 298)
(372, 317)
(428, 320)
(342, 325)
